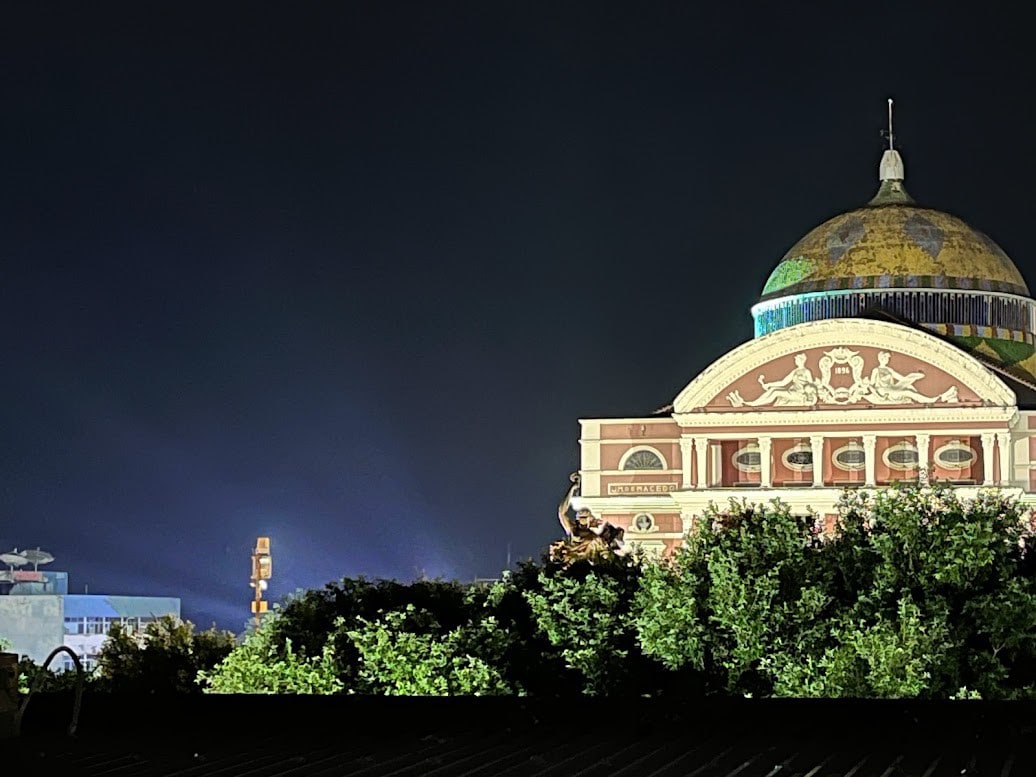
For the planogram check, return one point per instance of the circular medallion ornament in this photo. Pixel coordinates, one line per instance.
(643, 522)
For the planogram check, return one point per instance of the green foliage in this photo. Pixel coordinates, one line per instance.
(585, 613)
(918, 594)
(263, 664)
(743, 582)
(308, 618)
(166, 658)
(47, 680)
(408, 653)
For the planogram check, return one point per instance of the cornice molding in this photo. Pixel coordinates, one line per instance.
(856, 419)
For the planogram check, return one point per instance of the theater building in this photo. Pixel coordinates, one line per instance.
(892, 343)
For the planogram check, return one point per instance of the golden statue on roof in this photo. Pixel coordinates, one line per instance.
(588, 538)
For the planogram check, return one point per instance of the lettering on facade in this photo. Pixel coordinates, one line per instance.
(616, 489)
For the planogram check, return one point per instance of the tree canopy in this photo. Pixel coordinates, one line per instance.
(916, 593)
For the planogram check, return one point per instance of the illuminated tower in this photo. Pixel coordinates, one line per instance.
(262, 571)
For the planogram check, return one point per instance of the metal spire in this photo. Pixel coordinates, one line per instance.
(891, 136)
(891, 174)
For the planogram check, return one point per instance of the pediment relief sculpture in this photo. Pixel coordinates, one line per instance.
(841, 382)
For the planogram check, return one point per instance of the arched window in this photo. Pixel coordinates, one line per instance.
(642, 458)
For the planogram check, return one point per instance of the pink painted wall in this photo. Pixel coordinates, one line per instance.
(883, 474)
(834, 475)
(973, 472)
(626, 429)
(731, 474)
(783, 474)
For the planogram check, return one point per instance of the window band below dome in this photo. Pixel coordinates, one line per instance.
(999, 316)
(858, 282)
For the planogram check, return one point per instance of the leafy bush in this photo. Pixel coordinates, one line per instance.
(263, 665)
(165, 658)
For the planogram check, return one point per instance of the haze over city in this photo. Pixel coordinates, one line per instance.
(348, 276)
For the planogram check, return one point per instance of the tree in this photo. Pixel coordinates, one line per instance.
(408, 653)
(951, 578)
(165, 658)
(745, 584)
(263, 664)
(584, 611)
(309, 617)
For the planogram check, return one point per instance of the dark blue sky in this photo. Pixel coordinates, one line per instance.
(348, 275)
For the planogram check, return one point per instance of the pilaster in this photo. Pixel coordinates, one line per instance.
(869, 443)
(701, 450)
(765, 462)
(1003, 445)
(923, 442)
(988, 440)
(686, 451)
(816, 444)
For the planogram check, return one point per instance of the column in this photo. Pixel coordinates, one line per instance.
(988, 438)
(686, 448)
(1003, 448)
(869, 442)
(816, 442)
(765, 475)
(687, 523)
(923, 443)
(701, 450)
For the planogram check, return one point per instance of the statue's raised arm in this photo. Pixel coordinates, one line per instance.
(587, 538)
(566, 522)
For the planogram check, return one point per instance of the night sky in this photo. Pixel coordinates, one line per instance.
(348, 274)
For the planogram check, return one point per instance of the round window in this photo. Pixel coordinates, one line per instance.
(748, 459)
(643, 522)
(850, 458)
(901, 457)
(798, 458)
(955, 455)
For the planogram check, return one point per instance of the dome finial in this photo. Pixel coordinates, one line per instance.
(891, 174)
(891, 167)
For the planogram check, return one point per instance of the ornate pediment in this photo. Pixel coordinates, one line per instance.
(841, 380)
(843, 363)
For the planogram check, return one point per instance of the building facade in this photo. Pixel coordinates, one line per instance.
(893, 343)
(37, 614)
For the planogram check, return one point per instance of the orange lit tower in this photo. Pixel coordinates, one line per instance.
(262, 571)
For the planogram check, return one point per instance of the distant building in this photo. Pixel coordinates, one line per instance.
(892, 343)
(37, 614)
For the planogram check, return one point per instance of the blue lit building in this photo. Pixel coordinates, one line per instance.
(37, 614)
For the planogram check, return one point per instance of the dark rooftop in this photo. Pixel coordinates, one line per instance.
(265, 735)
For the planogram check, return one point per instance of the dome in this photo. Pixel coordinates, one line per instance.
(919, 265)
(893, 244)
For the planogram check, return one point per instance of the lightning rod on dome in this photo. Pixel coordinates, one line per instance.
(891, 167)
(891, 145)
